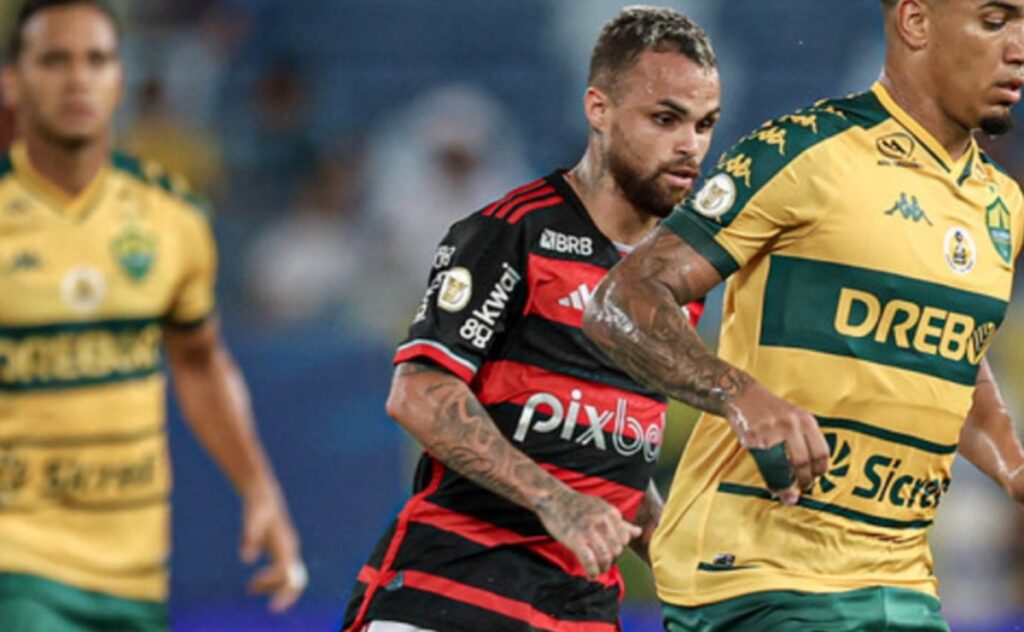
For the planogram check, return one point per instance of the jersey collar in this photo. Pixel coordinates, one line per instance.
(71, 206)
(960, 169)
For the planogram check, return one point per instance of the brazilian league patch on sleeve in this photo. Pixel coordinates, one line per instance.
(716, 197)
(456, 290)
(997, 218)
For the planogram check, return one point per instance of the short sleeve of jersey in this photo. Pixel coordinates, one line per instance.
(759, 191)
(474, 295)
(195, 298)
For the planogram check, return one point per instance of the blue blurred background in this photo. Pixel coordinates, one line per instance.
(338, 139)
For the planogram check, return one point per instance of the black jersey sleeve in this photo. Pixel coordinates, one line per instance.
(475, 293)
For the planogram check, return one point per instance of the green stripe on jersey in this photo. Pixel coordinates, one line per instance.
(79, 354)
(878, 317)
(887, 435)
(836, 510)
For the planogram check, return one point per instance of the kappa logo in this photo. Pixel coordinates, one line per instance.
(578, 298)
(909, 209)
(566, 244)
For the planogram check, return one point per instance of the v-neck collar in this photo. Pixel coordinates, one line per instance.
(72, 207)
(959, 169)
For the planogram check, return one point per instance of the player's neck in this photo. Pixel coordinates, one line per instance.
(614, 216)
(909, 90)
(71, 170)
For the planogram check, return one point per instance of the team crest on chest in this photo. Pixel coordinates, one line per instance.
(83, 289)
(960, 251)
(997, 219)
(134, 251)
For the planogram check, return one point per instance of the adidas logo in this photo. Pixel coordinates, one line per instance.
(578, 298)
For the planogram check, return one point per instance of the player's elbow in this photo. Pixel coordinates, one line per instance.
(397, 405)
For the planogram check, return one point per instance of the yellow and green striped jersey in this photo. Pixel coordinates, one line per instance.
(867, 274)
(87, 286)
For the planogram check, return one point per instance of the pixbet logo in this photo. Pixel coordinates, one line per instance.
(628, 435)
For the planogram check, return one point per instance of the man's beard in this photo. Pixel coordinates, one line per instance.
(643, 192)
(997, 125)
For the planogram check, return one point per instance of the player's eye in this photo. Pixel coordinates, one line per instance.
(664, 119)
(708, 124)
(994, 21)
(52, 60)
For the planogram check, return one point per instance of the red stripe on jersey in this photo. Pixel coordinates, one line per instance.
(426, 350)
(695, 310)
(534, 206)
(559, 289)
(489, 535)
(511, 608)
(581, 401)
(626, 499)
(401, 527)
(368, 575)
(520, 199)
(511, 194)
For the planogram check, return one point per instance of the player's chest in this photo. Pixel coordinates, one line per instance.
(104, 264)
(923, 227)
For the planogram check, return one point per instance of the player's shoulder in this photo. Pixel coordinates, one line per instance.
(757, 158)
(150, 175)
(519, 210)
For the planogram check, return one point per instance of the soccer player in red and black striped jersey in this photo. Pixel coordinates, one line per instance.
(538, 450)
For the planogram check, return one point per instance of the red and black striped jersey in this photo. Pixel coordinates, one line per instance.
(503, 311)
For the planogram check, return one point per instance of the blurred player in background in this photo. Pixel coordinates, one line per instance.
(539, 452)
(104, 262)
(872, 243)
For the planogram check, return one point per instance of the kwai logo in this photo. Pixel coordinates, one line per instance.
(628, 436)
(479, 328)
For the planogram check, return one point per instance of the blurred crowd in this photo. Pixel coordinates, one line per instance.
(338, 140)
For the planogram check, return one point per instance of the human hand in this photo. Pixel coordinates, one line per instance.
(267, 528)
(784, 439)
(591, 528)
(647, 518)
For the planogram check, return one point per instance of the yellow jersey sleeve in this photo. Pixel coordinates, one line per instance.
(754, 196)
(195, 299)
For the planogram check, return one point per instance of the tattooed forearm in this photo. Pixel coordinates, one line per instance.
(457, 430)
(635, 318)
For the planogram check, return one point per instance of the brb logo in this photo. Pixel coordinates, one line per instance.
(628, 436)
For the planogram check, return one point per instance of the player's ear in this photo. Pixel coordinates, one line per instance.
(913, 22)
(9, 86)
(595, 105)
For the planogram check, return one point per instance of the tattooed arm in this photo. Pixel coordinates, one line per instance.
(988, 439)
(635, 317)
(444, 415)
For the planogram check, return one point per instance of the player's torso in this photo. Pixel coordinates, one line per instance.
(874, 317)
(81, 395)
(551, 390)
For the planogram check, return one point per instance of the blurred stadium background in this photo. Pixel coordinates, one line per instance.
(338, 139)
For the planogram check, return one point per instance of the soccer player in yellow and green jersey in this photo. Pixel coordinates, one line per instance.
(869, 245)
(105, 262)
